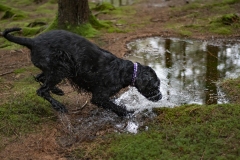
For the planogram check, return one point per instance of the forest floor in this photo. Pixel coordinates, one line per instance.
(150, 18)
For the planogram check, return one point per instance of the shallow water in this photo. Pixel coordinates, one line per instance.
(189, 70)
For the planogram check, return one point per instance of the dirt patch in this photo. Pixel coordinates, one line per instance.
(55, 141)
(42, 145)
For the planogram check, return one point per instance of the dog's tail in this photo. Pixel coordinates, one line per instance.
(28, 42)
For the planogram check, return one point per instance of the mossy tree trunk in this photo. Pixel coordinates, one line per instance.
(73, 12)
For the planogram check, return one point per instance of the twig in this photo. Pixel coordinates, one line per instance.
(3, 74)
(74, 111)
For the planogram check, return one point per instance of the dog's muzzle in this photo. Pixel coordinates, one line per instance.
(156, 97)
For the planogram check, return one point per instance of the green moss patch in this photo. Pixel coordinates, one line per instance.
(27, 31)
(12, 13)
(104, 7)
(218, 17)
(186, 132)
(23, 112)
(229, 19)
(232, 89)
(4, 8)
(98, 24)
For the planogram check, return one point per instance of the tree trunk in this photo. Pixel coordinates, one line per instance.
(72, 12)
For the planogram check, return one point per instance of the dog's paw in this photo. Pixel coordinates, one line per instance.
(59, 107)
(57, 91)
(123, 112)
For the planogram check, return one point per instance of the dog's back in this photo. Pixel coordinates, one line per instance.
(59, 40)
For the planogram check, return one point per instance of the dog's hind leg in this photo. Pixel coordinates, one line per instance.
(44, 91)
(42, 78)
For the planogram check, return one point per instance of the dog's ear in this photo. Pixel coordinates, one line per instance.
(146, 79)
(143, 78)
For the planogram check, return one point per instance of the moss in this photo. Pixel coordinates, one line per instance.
(23, 111)
(11, 14)
(185, 32)
(27, 31)
(20, 70)
(230, 1)
(229, 19)
(115, 30)
(86, 30)
(89, 29)
(36, 24)
(4, 8)
(4, 44)
(214, 18)
(97, 23)
(53, 1)
(232, 89)
(222, 30)
(185, 132)
(123, 11)
(225, 24)
(104, 7)
(30, 68)
(7, 14)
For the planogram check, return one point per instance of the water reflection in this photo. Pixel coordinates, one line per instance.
(116, 3)
(188, 69)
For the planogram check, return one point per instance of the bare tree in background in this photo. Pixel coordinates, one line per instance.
(73, 12)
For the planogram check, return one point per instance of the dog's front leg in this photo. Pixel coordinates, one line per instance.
(42, 78)
(43, 91)
(105, 102)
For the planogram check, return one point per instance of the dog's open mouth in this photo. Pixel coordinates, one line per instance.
(156, 97)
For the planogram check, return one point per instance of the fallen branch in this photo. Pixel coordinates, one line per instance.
(74, 111)
(3, 74)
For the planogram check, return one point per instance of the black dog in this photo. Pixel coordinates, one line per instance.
(61, 54)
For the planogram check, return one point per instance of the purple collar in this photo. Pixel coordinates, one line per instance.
(134, 73)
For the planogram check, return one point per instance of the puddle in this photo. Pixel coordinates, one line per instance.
(189, 70)
(115, 3)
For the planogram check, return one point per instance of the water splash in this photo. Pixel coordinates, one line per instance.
(66, 123)
(133, 100)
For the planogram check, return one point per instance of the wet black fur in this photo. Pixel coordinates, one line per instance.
(61, 54)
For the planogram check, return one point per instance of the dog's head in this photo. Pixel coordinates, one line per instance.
(148, 84)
